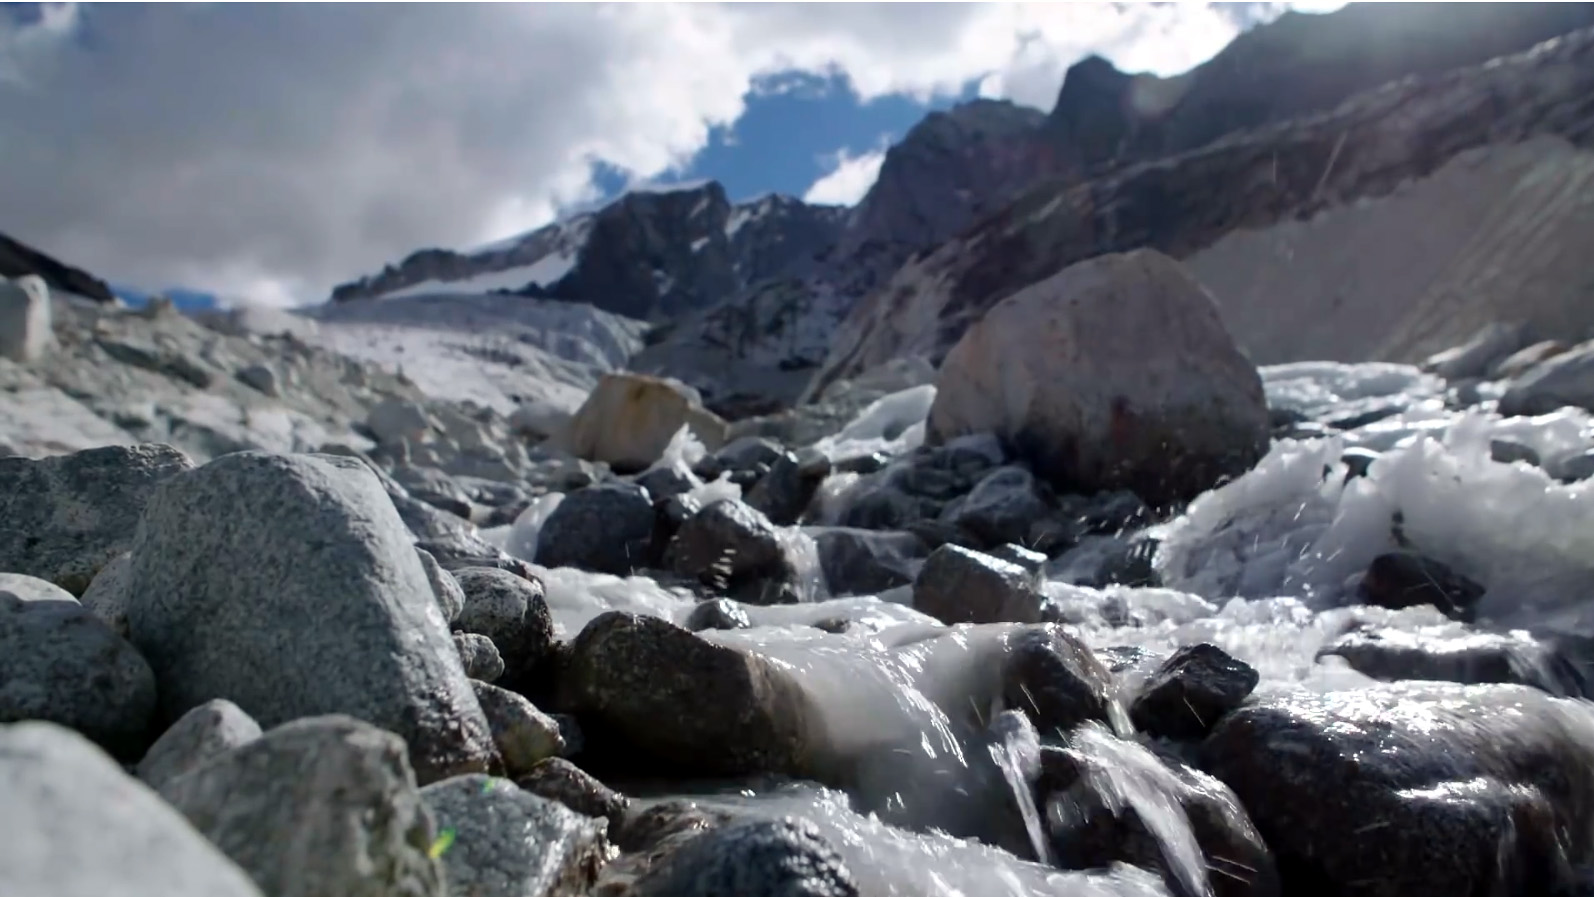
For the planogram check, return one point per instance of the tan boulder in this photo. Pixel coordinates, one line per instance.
(1115, 373)
(628, 421)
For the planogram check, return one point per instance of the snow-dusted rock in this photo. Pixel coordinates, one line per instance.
(323, 805)
(1564, 379)
(67, 517)
(74, 824)
(1479, 355)
(629, 419)
(25, 325)
(288, 585)
(61, 664)
(1115, 373)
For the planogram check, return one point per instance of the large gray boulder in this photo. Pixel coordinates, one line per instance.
(76, 825)
(320, 806)
(1414, 789)
(510, 843)
(288, 585)
(68, 516)
(1115, 373)
(59, 663)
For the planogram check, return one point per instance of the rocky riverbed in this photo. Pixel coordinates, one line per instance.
(1192, 628)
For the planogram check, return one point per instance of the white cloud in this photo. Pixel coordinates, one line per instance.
(849, 178)
(273, 150)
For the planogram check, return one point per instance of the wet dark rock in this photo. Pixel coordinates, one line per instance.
(1090, 828)
(735, 549)
(1055, 679)
(228, 597)
(605, 528)
(866, 562)
(1118, 658)
(524, 735)
(1033, 561)
(208, 731)
(666, 481)
(560, 780)
(1191, 691)
(1414, 789)
(1357, 461)
(321, 805)
(1002, 506)
(1406, 579)
(59, 663)
(884, 506)
(784, 493)
(68, 516)
(957, 585)
(508, 842)
(663, 699)
(1507, 452)
(514, 614)
(752, 858)
(863, 464)
(717, 613)
(479, 656)
(1457, 655)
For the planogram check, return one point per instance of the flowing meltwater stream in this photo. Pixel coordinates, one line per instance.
(928, 776)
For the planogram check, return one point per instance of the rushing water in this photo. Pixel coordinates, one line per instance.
(911, 711)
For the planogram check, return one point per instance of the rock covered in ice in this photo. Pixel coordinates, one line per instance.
(66, 517)
(321, 805)
(1115, 373)
(232, 567)
(25, 321)
(629, 420)
(76, 824)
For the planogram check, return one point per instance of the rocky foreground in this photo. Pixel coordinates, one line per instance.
(1185, 627)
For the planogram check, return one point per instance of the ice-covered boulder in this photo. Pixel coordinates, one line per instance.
(288, 585)
(629, 419)
(25, 329)
(1115, 373)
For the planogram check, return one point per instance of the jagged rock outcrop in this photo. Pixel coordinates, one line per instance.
(651, 254)
(1370, 146)
(18, 259)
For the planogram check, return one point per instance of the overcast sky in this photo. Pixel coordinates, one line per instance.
(270, 151)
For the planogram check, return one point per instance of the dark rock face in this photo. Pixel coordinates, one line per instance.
(648, 255)
(1182, 203)
(1056, 680)
(1469, 658)
(1192, 690)
(68, 516)
(1405, 579)
(604, 528)
(669, 700)
(866, 562)
(1414, 789)
(560, 780)
(752, 858)
(18, 260)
